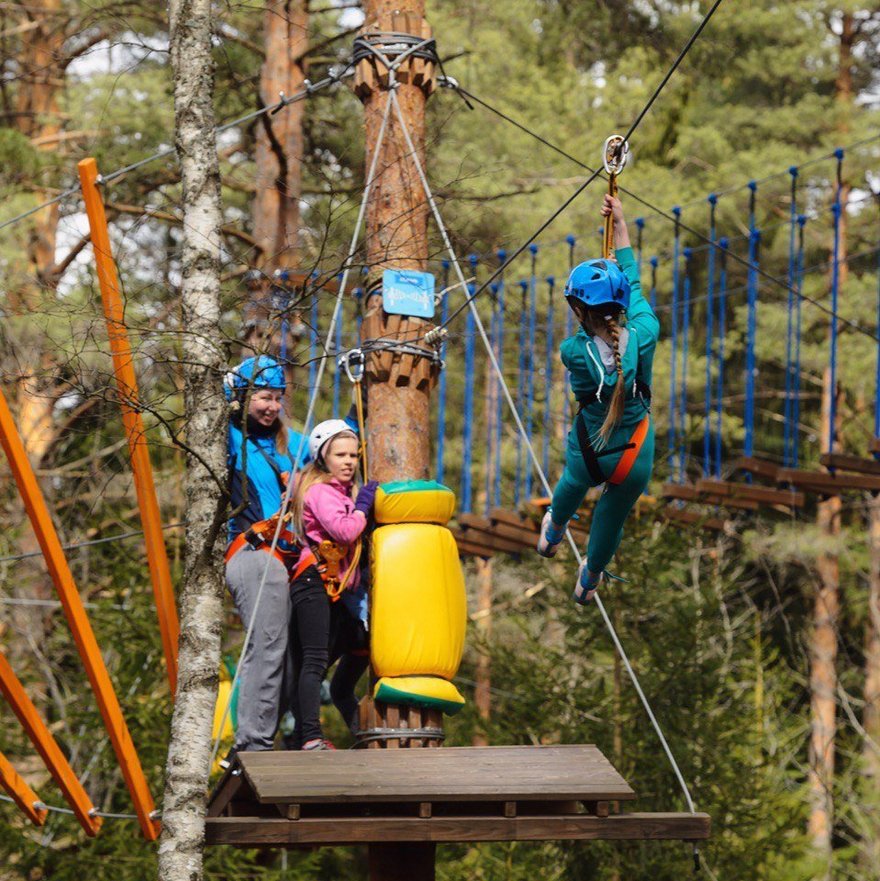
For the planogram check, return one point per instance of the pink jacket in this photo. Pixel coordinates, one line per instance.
(328, 512)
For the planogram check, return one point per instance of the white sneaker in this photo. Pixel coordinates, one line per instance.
(586, 586)
(548, 542)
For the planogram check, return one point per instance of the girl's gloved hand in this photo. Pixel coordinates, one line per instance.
(366, 497)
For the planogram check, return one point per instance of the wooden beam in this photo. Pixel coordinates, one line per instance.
(46, 745)
(761, 494)
(129, 403)
(693, 518)
(759, 467)
(842, 462)
(689, 493)
(827, 484)
(21, 793)
(78, 620)
(255, 832)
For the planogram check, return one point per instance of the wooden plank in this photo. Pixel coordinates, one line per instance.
(487, 540)
(511, 517)
(762, 494)
(254, 832)
(759, 467)
(227, 789)
(466, 547)
(827, 484)
(689, 493)
(842, 462)
(693, 518)
(506, 773)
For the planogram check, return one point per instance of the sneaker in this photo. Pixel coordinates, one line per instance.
(587, 585)
(318, 743)
(550, 537)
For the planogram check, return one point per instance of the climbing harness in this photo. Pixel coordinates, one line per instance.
(258, 536)
(326, 557)
(630, 449)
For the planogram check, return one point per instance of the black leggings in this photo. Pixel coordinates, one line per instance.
(322, 633)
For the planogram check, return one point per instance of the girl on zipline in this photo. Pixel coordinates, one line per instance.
(610, 361)
(327, 592)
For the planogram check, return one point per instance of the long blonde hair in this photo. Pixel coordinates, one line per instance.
(594, 322)
(314, 472)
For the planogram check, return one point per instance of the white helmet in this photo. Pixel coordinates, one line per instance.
(325, 431)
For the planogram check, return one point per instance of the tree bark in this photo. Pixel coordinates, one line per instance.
(183, 814)
(279, 147)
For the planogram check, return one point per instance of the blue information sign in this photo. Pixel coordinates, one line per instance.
(407, 292)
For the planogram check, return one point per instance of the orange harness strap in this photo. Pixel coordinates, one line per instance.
(628, 459)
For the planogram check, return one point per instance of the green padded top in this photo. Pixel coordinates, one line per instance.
(412, 486)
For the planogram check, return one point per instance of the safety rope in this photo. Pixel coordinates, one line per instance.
(673, 348)
(685, 342)
(710, 321)
(521, 387)
(751, 328)
(548, 372)
(789, 328)
(467, 439)
(722, 330)
(313, 397)
(640, 229)
(441, 391)
(435, 211)
(796, 371)
(530, 387)
(567, 408)
(501, 254)
(836, 210)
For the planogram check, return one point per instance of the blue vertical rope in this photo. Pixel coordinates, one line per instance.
(570, 240)
(501, 254)
(722, 329)
(710, 321)
(640, 225)
(468, 431)
(652, 294)
(796, 372)
(441, 390)
(685, 336)
(789, 335)
(673, 386)
(313, 339)
(548, 374)
(751, 326)
(493, 451)
(835, 285)
(521, 385)
(358, 294)
(530, 389)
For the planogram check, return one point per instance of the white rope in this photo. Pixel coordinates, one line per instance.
(537, 465)
(285, 502)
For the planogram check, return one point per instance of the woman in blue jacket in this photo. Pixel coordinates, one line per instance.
(261, 453)
(610, 361)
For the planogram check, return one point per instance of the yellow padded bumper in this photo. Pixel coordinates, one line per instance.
(413, 501)
(418, 607)
(420, 691)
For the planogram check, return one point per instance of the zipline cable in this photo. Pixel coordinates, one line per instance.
(666, 216)
(531, 450)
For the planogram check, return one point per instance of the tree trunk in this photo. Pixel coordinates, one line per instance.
(871, 716)
(279, 147)
(397, 236)
(183, 814)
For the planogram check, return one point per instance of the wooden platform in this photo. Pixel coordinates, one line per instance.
(507, 793)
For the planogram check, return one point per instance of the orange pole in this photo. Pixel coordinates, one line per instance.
(49, 751)
(21, 793)
(83, 635)
(126, 382)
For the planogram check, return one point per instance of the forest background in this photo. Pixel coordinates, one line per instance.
(743, 640)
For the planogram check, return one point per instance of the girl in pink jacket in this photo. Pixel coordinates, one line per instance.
(329, 611)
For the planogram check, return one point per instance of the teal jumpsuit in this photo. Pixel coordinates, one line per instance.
(592, 384)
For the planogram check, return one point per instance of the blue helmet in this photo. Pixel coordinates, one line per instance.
(259, 372)
(598, 283)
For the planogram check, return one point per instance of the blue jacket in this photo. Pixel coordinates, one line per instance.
(249, 467)
(591, 382)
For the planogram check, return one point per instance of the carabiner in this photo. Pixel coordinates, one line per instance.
(614, 154)
(345, 360)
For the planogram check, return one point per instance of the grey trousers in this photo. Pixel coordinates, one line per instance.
(266, 680)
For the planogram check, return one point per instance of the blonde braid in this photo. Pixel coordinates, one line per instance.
(618, 398)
